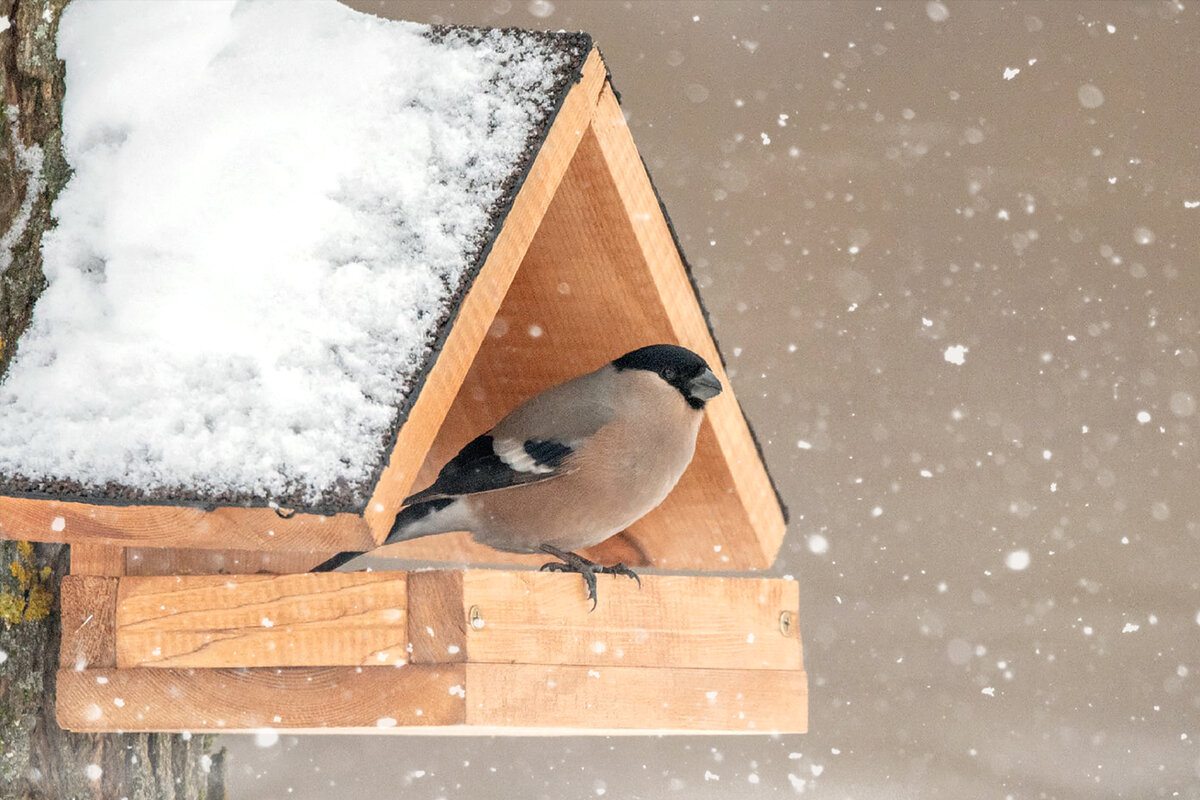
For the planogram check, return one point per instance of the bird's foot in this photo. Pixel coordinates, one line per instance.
(621, 569)
(573, 562)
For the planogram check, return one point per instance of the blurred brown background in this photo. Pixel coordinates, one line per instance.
(999, 559)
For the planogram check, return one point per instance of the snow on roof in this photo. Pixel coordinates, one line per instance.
(274, 208)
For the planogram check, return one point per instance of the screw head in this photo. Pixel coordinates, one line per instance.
(475, 617)
(786, 623)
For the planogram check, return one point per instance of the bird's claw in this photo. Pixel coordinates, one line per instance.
(573, 562)
(621, 569)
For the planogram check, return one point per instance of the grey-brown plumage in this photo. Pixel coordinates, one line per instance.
(573, 465)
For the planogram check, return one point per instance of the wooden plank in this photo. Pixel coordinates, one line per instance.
(677, 621)
(227, 527)
(191, 561)
(333, 619)
(636, 698)
(97, 559)
(325, 700)
(437, 617)
(330, 619)
(89, 607)
(479, 306)
(462, 699)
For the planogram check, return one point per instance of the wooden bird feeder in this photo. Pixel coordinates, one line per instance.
(184, 615)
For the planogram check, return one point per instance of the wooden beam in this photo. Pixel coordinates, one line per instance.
(679, 621)
(490, 651)
(192, 561)
(481, 616)
(97, 559)
(227, 527)
(478, 308)
(89, 624)
(330, 619)
(462, 699)
(328, 700)
(637, 698)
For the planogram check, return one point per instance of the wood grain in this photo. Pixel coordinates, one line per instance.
(193, 561)
(676, 621)
(329, 619)
(684, 653)
(462, 699)
(97, 559)
(373, 699)
(637, 698)
(89, 624)
(227, 527)
(437, 617)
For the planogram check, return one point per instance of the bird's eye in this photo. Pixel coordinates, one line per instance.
(669, 374)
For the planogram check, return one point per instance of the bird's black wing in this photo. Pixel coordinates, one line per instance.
(487, 464)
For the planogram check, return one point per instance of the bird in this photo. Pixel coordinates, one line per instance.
(571, 466)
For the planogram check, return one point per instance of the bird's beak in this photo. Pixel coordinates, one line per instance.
(704, 386)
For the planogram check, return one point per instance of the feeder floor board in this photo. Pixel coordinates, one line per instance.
(481, 651)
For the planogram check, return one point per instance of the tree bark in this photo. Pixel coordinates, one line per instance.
(32, 166)
(37, 758)
(40, 760)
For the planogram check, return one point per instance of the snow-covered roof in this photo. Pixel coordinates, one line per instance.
(274, 209)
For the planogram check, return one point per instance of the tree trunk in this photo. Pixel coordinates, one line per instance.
(37, 758)
(40, 760)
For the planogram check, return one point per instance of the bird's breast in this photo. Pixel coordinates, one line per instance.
(622, 473)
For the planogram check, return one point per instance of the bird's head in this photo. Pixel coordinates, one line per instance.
(679, 367)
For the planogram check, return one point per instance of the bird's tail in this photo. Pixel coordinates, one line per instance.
(403, 529)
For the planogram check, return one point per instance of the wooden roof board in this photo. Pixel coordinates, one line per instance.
(342, 497)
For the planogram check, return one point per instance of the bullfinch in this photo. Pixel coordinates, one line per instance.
(572, 466)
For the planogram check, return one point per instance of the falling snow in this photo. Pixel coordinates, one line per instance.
(975, 551)
(956, 354)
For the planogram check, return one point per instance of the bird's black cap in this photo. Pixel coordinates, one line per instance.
(678, 366)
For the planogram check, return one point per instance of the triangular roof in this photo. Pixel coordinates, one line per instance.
(550, 261)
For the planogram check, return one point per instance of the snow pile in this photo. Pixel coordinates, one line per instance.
(272, 206)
